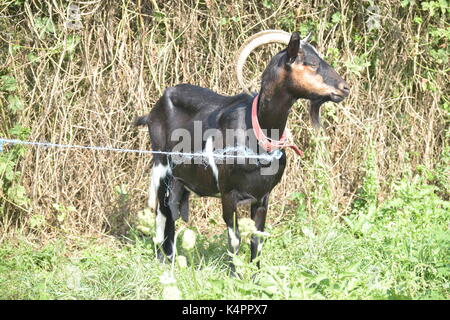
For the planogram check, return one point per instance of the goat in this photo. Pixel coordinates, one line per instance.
(296, 72)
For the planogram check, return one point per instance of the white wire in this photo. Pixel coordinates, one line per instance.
(217, 154)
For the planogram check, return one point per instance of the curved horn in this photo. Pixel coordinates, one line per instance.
(258, 39)
(306, 39)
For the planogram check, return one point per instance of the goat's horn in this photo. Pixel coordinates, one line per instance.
(258, 39)
(306, 39)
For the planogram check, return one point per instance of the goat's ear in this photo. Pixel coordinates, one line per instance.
(293, 47)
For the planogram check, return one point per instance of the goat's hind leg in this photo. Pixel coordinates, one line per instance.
(258, 214)
(229, 203)
(179, 200)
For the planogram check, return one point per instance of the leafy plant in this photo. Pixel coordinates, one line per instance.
(358, 64)
(10, 178)
(336, 17)
(14, 103)
(8, 83)
(44, 26)
(62, 211)
(367, 194)
(433, 7)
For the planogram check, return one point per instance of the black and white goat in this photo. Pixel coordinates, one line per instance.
(296, 72)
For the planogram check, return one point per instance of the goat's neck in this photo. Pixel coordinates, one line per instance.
(273, 110)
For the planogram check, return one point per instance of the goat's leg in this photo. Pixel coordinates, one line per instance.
(258, 214)
(165, 224)
(231, 220)
(159, 202)
(160, 171)
(179, 200)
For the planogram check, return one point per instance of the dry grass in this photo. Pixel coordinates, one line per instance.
(129, 51)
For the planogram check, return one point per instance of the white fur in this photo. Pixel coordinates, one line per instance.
(159, 172)
(234, 239)
(260, 245)
(209, 148)
(160, 226)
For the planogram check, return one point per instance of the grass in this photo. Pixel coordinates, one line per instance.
(84, 86)
(399, 250)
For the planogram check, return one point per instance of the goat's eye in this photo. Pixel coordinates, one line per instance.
(313, 66)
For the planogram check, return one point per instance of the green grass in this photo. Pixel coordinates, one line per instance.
(398, 249)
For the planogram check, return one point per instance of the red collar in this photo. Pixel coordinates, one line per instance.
(265, 142)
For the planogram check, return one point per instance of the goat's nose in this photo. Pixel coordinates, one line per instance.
(344, 87)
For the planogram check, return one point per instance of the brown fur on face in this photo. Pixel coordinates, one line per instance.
(308, 82)
(301, 72)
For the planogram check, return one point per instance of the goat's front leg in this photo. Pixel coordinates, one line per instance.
(258, 214)
(165, 224)
(231, 220)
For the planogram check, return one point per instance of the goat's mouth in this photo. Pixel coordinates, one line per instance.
(336, 97)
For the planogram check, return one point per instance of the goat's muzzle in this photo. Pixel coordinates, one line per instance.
(341, 93)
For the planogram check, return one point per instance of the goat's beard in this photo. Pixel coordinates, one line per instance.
(314, 112)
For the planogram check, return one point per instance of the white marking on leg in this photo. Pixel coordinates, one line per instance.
(260, 245)
(159, 172)
(160, 226)
(152, 195)
(234, 239)
(209, 148)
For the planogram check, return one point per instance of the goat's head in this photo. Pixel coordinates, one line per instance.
(299, 69)
(309, 76)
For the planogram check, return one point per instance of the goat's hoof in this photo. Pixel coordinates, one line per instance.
(163, 258)
(234, 273)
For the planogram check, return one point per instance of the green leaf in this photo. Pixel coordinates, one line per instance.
(8, 83)
(404, 3)
(19, 132)
(160, 16)
(14, 103)
(37, 221)
(9, 173)
(336, 17)
(44, 25)
(71, 44)
(223, 21)
(418, 20)
(358, 64)
(61, 217)
(16, 193)
(3, 166)
(267, 4)
(32, 57)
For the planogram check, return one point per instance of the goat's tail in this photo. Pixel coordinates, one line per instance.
(141, 121)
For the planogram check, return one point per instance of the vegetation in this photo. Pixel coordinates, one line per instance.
(365, 215)
(398, 250)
